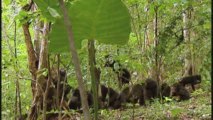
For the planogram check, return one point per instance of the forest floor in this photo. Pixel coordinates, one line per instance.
(197, 108)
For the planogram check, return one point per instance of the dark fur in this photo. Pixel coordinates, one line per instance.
(193, 80)
(165, 90)
(52, 91)
(109, 98)
(67, 90)
(75, 102)
(179, 90)
(150, 89)
(113, 99)
(137, 94)
(125, 95)
(104, 91)
(89, 99)
(102, 94)
(123, 74)
(134, 94)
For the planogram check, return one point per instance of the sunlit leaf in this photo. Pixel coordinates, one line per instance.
(53, 12)
(49, 8)
(107, 21)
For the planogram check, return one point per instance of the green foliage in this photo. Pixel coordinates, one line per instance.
(107, 21)
(11, 71)
(167, 99)
(49, 9)
(53, 12)
(198, 92)
(176, 112)
(170, 33)
(43, 72)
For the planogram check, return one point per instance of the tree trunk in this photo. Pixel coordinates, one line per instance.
(156, 44)
(38, 61)
(44, 48)
(139, 28)
(31, 56)
(31, 60)
(37, 41)
(43, 63)
(188, 67)
(76, 62)
(41, 80)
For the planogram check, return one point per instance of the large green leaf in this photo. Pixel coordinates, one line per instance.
(107, 21)
(49, 8)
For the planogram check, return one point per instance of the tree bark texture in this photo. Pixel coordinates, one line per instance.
(41, 81)
(188, 67)
(31, 56)
(157, 61)
(37, 40)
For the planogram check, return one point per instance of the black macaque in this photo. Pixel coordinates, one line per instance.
(97, 74)
(75, 102)
(123, 74)
(52, 89)
(63, 85)
(133, 94)
(150, 89)
(90, 99)
(104, 91)
(67, 90)
(165, 90)
(62, 81)
(180, 91)
(193, 80)
(125, 95)
(113, 99)
(137, 94)
(109, 98)
(102, 94)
